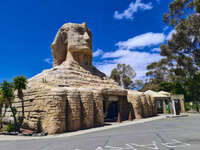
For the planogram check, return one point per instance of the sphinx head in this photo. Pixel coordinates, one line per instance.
(73, 42)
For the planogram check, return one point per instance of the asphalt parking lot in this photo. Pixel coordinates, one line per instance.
(166, 134)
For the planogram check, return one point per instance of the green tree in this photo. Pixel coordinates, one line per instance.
(123, 74)
(126, 80)
(3, 106)
(115, 76)
(179, 10)
(193, 87)
(20, 83)
(158, 72)
(183, 50)
(165, 86)
(8, 96)
(181, 62)
(138, 84)
(172, 87)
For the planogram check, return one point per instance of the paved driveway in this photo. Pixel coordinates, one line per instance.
(165, 134)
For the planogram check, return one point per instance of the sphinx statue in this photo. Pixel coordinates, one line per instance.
(74, 94)
(70, 95)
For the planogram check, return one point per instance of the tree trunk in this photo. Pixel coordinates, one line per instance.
(20, 95)
(14, 117)
(3, 115)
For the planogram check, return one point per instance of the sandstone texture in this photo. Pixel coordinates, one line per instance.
(72, 42)
(70, 95)
(142, 104)
(135, 101)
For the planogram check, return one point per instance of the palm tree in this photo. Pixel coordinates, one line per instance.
(20, 83)
(1, 106)
(8, 96)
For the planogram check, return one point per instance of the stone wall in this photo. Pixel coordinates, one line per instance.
(87, 109)
(135, 105)
(98, 109)
(124, 108)
(143, 105)
(61, 110)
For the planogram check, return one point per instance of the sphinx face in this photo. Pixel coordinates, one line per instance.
(79, 39)
(73, 42)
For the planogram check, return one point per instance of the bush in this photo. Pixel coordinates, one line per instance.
(168, 110)
(195, 107)
(189, 107)
(9, 127)
(20, 120)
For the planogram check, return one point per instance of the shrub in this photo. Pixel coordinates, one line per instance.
(195, 107)
(20, 120)
(187, 106)
(9, 127)
(169, 111)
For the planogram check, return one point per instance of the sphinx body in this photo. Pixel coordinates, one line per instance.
(70, 95)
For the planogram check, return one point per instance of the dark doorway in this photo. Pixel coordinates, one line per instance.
(112, 112)
(159, 106)
(177, 106)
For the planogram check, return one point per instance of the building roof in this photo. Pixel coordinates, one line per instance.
(156, 94)
(135, 92)
(165, 93)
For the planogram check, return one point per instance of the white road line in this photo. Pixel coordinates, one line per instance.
(128, 147)
(149, 146)
(176, 143)
(132, 146)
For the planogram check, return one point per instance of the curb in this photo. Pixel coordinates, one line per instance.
(177, 116)
(80, 132)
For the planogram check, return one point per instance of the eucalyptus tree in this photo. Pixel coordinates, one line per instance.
(123, 74)
(183, 49)
(181, 62)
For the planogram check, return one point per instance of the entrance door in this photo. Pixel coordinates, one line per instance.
(159, 106)
(111, 112)
(177, 106)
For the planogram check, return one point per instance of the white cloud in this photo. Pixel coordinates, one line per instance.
(155, 50)
(132, 9)
(98, 52)
(137, 60)
(165, 28)
(115, 54)
(105, 67)
(147, 39)
(48, 60)
(169, 36)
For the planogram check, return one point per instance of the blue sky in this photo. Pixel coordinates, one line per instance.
(124, 31)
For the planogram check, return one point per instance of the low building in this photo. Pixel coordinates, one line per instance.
(162, 102)
(177, 100)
